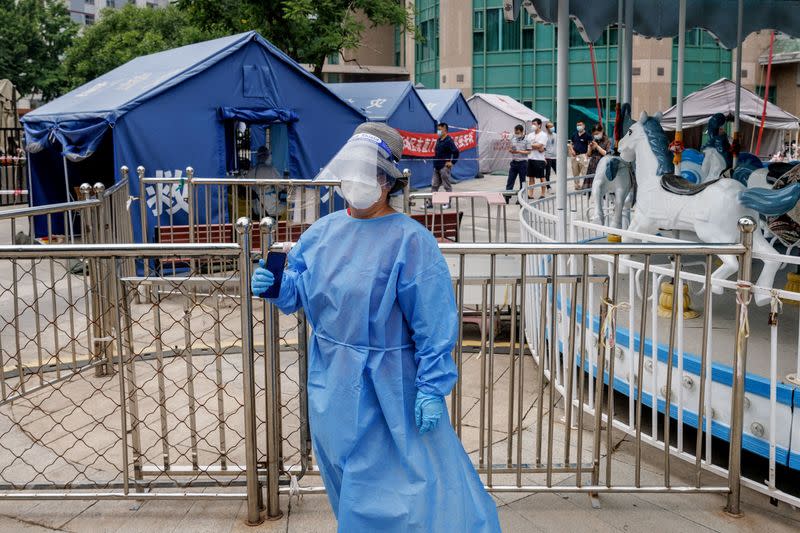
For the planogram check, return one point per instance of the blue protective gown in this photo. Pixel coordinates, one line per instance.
(378, 295)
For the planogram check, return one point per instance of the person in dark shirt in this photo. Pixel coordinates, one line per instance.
(446, 155)
(579, 145)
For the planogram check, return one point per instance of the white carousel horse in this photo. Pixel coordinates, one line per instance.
(714, 164)
(614, 176)
(711, 210)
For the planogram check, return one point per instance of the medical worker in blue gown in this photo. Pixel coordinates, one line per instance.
(378, 293)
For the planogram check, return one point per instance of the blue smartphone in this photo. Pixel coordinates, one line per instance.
(275, 263)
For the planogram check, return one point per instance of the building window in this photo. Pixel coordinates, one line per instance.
(659, 71)
(527, 19)
(444, 78)
(477, 20)
(528, 39)
(333, 59)
(744, 72)
(111, 3)
(88, 19)
(398, 36)
(459, 78)
(477, 41)
(575, 37)
(152, 5)
(511, 34)
(499, 34)
(637, 71)
(772, 97)
(89, 2)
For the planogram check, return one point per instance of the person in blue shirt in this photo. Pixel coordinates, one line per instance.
(378, 295)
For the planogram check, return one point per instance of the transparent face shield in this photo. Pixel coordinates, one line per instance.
(364, 167)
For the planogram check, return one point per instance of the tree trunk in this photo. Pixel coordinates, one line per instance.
(318, 69)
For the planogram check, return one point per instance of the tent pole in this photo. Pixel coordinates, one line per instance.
(562, 114)
(677, 145)
(738, 100)
(627, 87)
(69, 213)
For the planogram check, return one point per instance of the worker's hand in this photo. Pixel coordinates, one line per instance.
(449, 164)
(428, 409)
(262, 279)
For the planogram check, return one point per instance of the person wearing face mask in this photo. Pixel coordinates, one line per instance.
(550, 152)
(378, 295)
(598, 147)
(536, 162)
(579, 145)
(520, 147)
(445, 156)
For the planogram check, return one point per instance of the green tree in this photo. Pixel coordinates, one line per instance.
(124, 34)
(34, 34)
(308, 30)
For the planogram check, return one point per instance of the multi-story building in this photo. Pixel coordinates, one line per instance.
(86, 12)
(467, 44)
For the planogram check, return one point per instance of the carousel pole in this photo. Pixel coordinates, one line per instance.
(562, 115)
(738, 100)
(677, 145)
(618, 107)
(627, 73)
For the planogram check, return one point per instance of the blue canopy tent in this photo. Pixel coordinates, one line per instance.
(450, 106)
(397, 104)
(180, 108)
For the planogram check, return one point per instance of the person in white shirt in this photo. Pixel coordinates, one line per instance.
(550, 152)
(536, 160)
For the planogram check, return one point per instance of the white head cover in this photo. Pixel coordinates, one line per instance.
(364, 165)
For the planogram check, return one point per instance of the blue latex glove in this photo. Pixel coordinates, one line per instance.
(262, 279)
(428, 409)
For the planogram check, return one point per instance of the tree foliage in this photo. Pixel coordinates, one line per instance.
(124, 34)
(308, 30)
(34, 35)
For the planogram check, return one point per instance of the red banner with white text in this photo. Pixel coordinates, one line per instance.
(423, 144)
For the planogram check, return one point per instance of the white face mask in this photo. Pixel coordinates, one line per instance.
(360, 195)
(598, 137)
(580, 129)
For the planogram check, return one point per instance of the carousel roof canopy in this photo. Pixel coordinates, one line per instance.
(719, 97)
(659, 18)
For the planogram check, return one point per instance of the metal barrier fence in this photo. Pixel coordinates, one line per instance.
(150, 363)
(701, 332)
(156, 408)
(13, 167)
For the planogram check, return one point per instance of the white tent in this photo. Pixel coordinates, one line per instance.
(719, 98)
(497, 115)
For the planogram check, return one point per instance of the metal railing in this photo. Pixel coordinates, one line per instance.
(702, 330)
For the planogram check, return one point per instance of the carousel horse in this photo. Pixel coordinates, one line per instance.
(711, 210)
(614, 176)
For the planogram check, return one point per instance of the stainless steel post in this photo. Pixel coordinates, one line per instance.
(746, 226)
(272, 375)
(562, 116)
(248, 374)
(407, 191)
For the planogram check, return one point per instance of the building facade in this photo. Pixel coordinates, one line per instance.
(467, 44)
(86, 12)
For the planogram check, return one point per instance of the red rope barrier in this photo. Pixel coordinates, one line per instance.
(596, 87)
(766, 93)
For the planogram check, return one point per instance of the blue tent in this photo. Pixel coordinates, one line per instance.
(450, 106)
(180, 108)
(397, 104)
